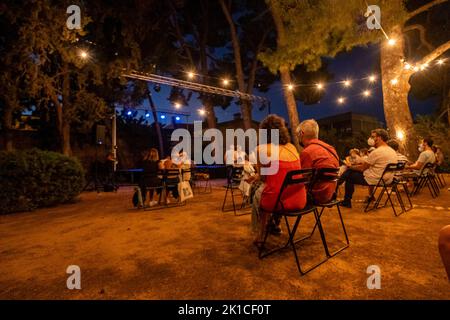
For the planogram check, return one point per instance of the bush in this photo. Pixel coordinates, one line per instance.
(34, 178)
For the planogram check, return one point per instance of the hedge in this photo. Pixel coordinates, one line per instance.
(34, 178)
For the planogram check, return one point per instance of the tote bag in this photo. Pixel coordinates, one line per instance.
(185, 191)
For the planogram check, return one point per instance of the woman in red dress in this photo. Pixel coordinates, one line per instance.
(283, 156)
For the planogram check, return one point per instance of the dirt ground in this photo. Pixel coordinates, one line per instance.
(199, 252)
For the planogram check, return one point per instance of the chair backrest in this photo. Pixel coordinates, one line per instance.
(427, 168)
(234, 174)
(171, 175)
(330, 175)
(294, 177)
(390, 168)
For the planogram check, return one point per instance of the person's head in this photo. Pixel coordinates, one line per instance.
(364, 151)
(273, 121)
(307, 130)
(426, 144)
(393, 144)
(354, 153)
(378, 137)
(152, 154)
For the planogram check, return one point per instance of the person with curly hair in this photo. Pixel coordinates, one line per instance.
(268, 186)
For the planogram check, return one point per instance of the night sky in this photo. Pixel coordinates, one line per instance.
(356, 64)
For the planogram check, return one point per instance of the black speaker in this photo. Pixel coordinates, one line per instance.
(100, 134)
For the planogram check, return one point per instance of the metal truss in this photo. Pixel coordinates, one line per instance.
(194, 86)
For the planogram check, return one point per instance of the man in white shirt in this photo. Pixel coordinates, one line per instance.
(426, 156)
(369, 172)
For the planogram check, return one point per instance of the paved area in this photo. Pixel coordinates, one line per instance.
(198, 252)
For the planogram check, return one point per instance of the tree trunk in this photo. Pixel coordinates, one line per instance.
(63, 116)
(210, 115)
(66, 148)
(7, 128)
(245, 105)
(157, 126)
(395, 96)
(291, 105)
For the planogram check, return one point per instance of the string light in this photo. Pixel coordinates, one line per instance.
(366, 93)
(341, 100)
(394, 81)
(416, 68)
(202, 112)
(392, 42)
(290, 87)
(372, 78)
(177, 105)
(191, 75)
(320, 86)
(225, 82)
(440, 62)
(83, 54)
(400, 135)
(407, 66)
(347, 83)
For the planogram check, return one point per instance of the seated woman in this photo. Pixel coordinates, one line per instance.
(150, 180)
(172, 180)
(266, 194)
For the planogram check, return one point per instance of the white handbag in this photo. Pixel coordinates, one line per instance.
(185, 191)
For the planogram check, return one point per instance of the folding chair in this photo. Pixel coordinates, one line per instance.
(440, 177)
(200, 177)
(427, 178)
(296, 177)
(329, 175)
(158, 189)
(234, 175)
(390, 188)
(170, 179)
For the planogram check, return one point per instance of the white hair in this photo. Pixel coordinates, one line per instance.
(310, 129)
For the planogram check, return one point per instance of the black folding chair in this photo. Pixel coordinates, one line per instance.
(296, 177)
(427, 178)
(200, 181)
(234, 176)
(158, 189)
(170, 179)
(440, 177)
(390, 188)
(328, 175)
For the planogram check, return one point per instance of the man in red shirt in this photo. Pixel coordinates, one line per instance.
(317, 154)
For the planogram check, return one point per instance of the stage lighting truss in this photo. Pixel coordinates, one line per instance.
(154, 78)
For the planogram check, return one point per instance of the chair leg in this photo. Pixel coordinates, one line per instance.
(372, 195)
(225, 199)
(405, 187)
